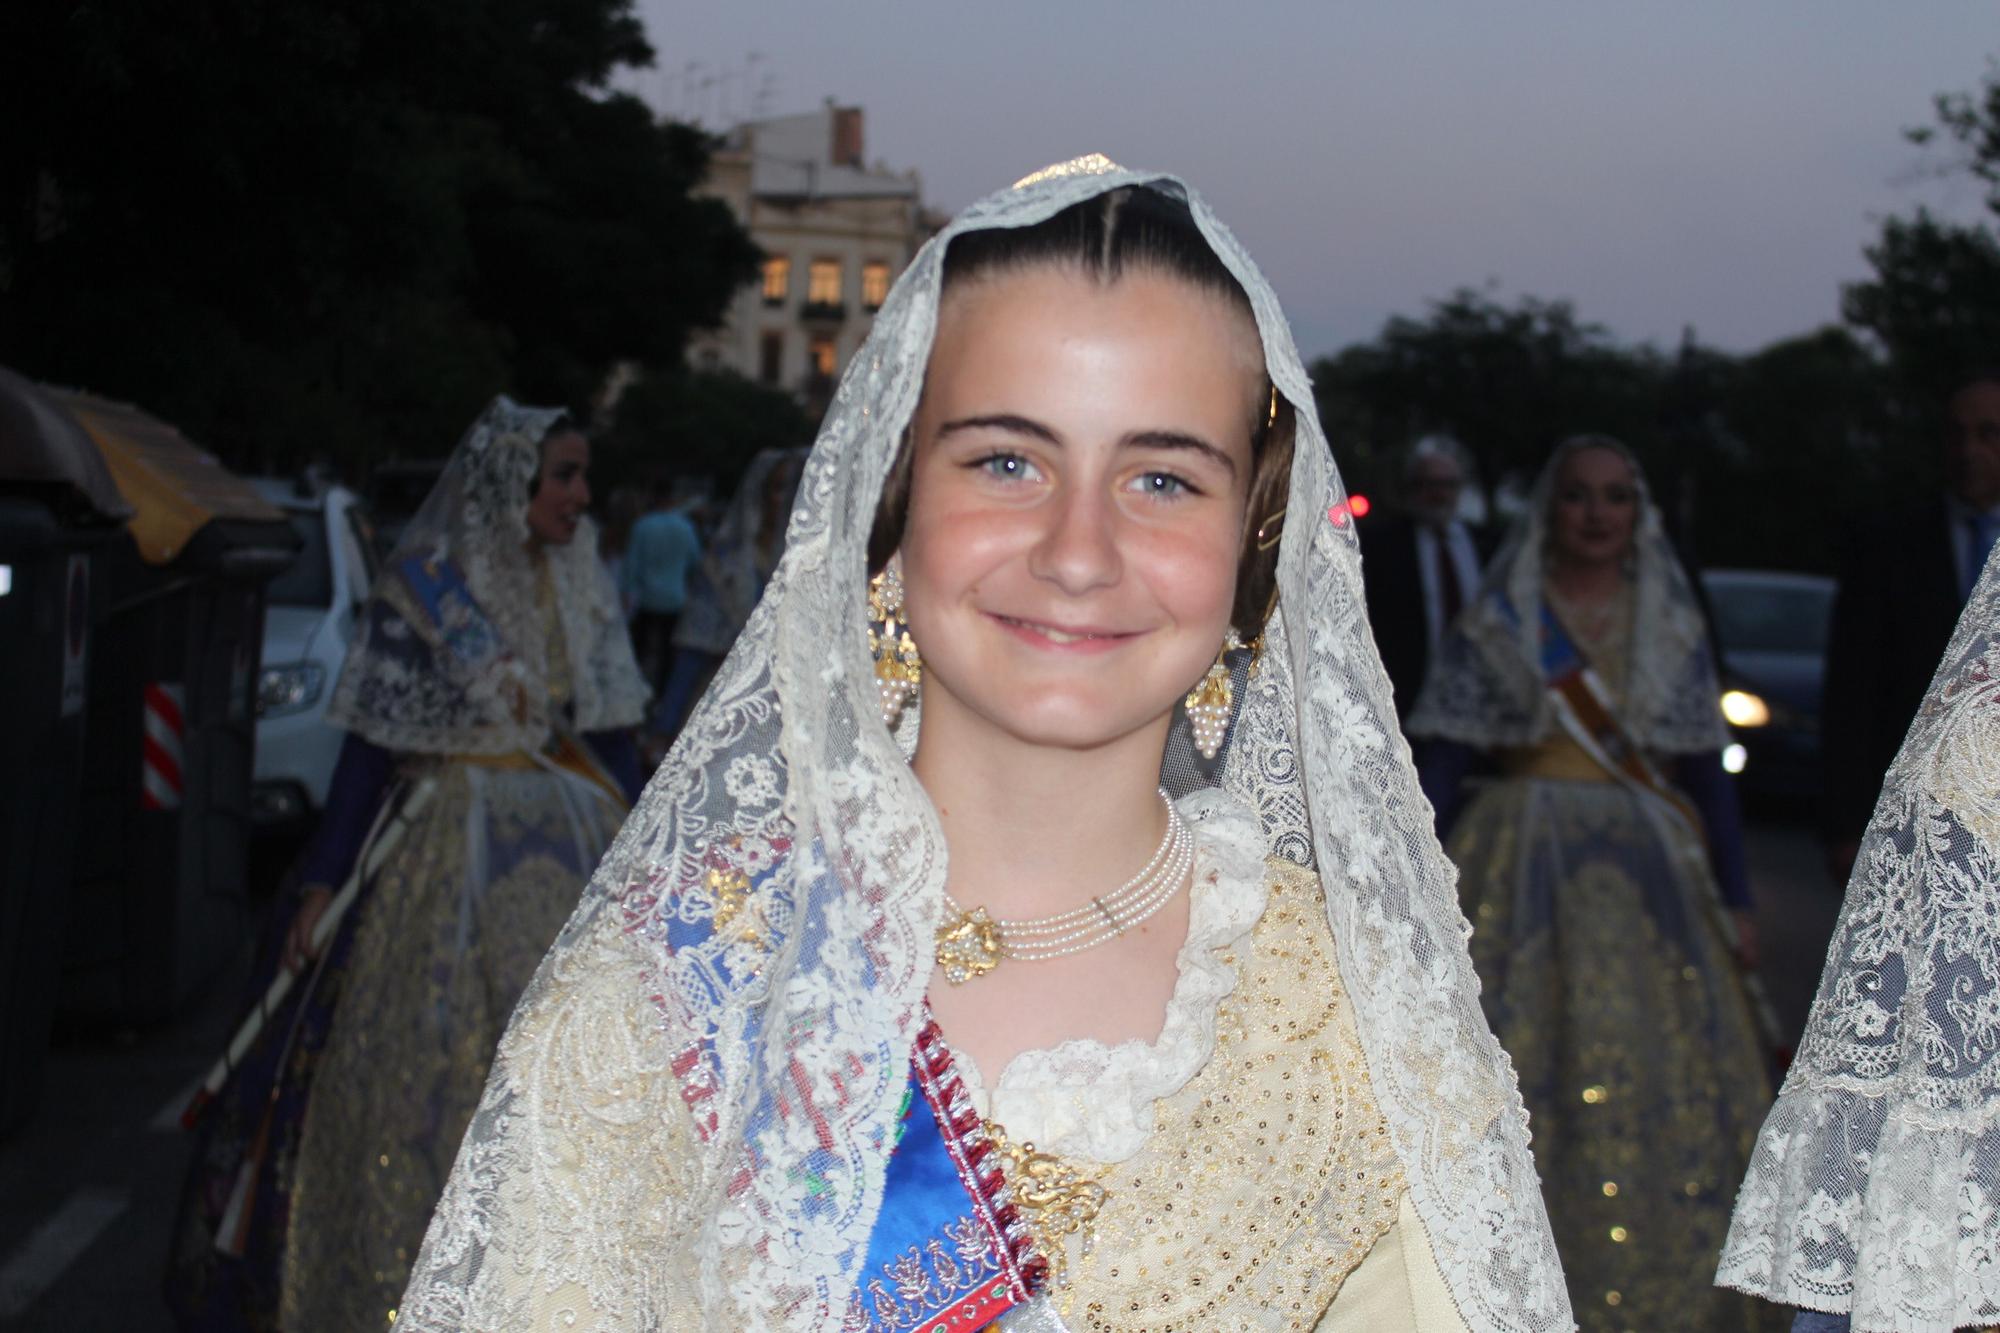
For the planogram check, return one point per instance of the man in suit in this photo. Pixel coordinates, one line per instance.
(1420, 566)
(1906, 578)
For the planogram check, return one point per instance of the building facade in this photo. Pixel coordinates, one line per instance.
(834, 232)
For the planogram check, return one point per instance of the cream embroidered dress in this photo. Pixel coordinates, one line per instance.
(1244, 1146)
(695, 1117)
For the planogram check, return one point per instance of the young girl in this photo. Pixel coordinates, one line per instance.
(924, 994)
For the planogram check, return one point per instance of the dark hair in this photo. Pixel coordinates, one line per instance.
(562, 425)
(1103, 238)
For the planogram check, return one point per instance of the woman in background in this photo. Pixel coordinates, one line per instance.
(494, 663)
(1590, 872)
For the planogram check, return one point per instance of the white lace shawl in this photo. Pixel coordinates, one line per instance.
(1485, 685)
(743, 981)
(476, 680)
(1875, 1186)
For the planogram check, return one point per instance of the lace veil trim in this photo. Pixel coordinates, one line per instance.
(1875, 1185)
(435, 673)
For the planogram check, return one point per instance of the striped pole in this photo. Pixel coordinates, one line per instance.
(161, 754)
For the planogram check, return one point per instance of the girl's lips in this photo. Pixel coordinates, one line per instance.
(1065, 639)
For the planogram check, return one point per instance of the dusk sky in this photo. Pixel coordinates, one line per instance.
(1698, 162)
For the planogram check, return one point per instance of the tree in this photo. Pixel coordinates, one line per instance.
(681, 422)
(334, 227)
(1800, 438)
(1933, 304)
(1507, 382)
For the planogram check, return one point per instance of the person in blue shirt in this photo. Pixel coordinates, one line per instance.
(653, 580)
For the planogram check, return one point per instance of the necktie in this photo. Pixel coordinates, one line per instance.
(1451, 596)
(1980, 529)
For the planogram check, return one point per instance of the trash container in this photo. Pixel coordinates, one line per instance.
(163, 860)
(60, 514)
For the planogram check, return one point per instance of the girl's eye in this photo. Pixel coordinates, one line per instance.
(1163, 485)
(1006, 467)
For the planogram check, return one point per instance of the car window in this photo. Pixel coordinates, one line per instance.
(308, 580)
(1767, 618)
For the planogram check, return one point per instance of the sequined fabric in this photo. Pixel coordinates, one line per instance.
(453, 929)
(1267, 1178)
(1608, 982)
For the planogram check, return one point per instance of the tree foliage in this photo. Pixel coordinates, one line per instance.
(334, 227)
(1750, 457)
(706, 423)
(1933, 303)
(1505, 381)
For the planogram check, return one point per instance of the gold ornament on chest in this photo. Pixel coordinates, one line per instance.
(968, 946)
(971, 942)
(1059, 1200)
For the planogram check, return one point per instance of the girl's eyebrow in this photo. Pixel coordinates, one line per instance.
(1180, 439)
(1004, 421)
(1159, 438)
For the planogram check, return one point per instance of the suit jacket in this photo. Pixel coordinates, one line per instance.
(1892, 619)
(1393, 583)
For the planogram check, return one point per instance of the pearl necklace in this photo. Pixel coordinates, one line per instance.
(972, 943)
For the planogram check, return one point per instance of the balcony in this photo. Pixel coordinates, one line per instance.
(823, 312)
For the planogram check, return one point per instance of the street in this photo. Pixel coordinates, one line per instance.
(89, 1188)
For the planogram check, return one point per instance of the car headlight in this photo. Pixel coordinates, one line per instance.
(289, 687)
(1744, 709)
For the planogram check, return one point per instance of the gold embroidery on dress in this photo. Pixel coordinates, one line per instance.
(1268, 1178)
(1059, 1199)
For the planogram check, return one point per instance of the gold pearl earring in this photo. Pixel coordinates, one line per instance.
(898, 668)
(1209, 702)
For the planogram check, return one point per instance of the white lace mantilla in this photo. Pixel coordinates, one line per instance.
(1875, 1188)
(453, 653)
(1486, 687)
(734, 1088)
(1087, 1100)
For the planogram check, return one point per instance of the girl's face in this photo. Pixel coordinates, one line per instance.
(1081, 463)
(562, 491)
(1596, 507)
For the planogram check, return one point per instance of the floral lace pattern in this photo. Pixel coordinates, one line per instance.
(1875, 1188)
(1486, 688)
(787, 1054)
(463, 664)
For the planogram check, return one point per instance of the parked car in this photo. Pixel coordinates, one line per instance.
(311, 616)
(1771, 630)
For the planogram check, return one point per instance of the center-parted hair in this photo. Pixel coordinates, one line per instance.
(1102, 239)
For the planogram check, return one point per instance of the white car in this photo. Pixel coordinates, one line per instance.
(310, 617)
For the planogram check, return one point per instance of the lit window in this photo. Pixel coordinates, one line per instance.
(771, 356)
(874, 284)
(777, 278)
(824, 358)
(823, 282)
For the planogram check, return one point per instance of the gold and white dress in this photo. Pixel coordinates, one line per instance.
(1247, 1176)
